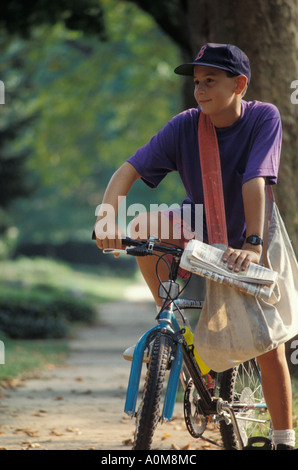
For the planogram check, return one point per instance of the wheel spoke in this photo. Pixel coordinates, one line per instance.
(243, 387)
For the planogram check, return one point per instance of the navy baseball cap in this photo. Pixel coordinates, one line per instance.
(221, 56)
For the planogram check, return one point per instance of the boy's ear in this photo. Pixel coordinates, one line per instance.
(241, 82)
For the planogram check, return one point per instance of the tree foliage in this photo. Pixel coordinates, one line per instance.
(20, 18)
(171, 18)
(97, 102)
(16, 181)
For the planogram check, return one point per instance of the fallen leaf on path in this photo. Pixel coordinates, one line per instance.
(76, 430)
(29, 432)
(187, 447)
(128, 442)
(31, 445)
(50, 367)
(38, 414)
(11, 383)
(175, 447)
(54, 432)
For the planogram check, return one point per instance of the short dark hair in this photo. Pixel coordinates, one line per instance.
(231, 74)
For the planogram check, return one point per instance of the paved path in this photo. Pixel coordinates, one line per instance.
(80, 405)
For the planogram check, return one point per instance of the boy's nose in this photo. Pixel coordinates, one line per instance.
(201, 91)
(201, 88)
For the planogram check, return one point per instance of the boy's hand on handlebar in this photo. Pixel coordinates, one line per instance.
(111, 240)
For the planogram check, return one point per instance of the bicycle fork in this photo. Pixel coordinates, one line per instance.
(136, 367)
(221, 408)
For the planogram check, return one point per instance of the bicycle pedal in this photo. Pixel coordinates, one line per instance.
(259, 443)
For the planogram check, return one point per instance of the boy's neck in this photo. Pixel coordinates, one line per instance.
(228, 117)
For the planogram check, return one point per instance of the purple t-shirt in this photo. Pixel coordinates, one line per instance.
(248, 149)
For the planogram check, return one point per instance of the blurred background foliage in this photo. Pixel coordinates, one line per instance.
(86, 84)
(76, 108)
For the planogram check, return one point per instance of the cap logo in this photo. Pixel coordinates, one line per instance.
(201, 53)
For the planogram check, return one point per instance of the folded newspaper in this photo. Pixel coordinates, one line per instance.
(206, 260)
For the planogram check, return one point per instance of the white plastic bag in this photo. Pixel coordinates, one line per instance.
(235, 327)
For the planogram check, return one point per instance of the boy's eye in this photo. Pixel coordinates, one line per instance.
(207, 81)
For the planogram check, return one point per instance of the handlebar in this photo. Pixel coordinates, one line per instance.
(145, 247)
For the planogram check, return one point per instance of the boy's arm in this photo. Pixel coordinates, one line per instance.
(253, 193)
(118, 187)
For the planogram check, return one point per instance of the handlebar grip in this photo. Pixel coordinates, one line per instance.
(129, 241)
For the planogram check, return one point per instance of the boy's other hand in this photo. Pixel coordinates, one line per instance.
(109, 239)
(237, 259)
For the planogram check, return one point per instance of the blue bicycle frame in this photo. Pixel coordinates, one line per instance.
(166, 323)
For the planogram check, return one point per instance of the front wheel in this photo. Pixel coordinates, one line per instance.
(242, 386)
(148, 413)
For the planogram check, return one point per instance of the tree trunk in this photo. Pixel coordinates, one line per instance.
(267, 32)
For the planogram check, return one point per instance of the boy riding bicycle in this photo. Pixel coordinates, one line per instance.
(249, 140)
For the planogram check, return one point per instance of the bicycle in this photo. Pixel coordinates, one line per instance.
(233, 399)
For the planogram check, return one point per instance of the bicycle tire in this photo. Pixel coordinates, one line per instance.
(148, 413)
(243, 384)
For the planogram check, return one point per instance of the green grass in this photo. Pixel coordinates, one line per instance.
(42, 276)
(26, 358)
(38, 281)
(295, 406)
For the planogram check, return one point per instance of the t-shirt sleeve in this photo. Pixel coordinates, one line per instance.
(157, 158)
(264, 154)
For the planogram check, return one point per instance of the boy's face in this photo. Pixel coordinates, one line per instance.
(214, 91)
